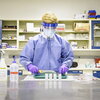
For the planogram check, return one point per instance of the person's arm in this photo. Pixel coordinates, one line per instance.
(27, 54)
(67, 54)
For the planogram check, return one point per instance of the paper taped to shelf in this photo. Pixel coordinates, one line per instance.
(81, 27)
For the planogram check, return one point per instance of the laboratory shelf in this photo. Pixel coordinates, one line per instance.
(30, 20)
(84, 45)
(74, 20)
(97, 36)
(9, 29)
(72, 31)
(23, 40)
(78, 39)
(9, 39)
(90, 50)
(29, 32)
(75, 50)
(97, 28)
(11, 49)
(85, 69)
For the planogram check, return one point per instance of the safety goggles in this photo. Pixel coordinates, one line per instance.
(50, 25)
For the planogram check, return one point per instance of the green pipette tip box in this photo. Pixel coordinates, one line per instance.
(42, 75)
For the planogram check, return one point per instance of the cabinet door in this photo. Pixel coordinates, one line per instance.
(0, 34)
(95, 34)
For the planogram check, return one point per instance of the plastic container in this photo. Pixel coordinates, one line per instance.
(3, 70)
(92, 12)
(14, 71)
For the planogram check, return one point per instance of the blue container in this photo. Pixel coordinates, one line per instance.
(91, 11)
(97, 16)
(96, 74)
(91, 16)
(75, 72)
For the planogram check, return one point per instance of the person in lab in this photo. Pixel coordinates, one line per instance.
(47, 51)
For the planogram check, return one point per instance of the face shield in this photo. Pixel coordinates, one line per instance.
(49, 29)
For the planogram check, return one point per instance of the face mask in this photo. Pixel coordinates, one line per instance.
(49, 32)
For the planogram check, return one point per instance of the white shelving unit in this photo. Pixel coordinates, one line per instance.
(9, 33)
(83, 44)
(24, 33)
(9, 29)
(75, 37)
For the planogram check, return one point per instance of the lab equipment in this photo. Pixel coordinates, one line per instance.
(3, 67)
(92, 14)
(36, 29)
(63, 69)
(54, 76)
(46, 76)
(59, 76)
(97, 62)
(32, 68)
(4, 45)
(96, 74)
(74, 65)
(74, 44)
(98, 16)
(80, 16)
(41, 52)
(14, 68)
(92, 17)
(49, 75)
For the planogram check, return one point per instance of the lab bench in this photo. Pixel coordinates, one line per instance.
(94, 71)
(47, 90)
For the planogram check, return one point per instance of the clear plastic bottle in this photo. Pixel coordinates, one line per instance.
(3, 70)
(3, 67)
(14, 71)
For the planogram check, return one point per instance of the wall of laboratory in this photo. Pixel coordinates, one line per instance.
(33, 9)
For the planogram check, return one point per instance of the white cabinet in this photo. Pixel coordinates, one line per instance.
(15, 34)
(9, 34)
(27, 29)
(75, 33)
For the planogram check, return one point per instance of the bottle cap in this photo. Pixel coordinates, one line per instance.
(14, 62)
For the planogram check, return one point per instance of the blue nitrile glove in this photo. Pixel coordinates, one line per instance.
(33, 69)
(63, 69)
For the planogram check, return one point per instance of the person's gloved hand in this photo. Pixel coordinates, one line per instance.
(32, 68)
(63, 69)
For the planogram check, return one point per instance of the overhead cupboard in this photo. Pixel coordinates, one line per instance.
(83, 34)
